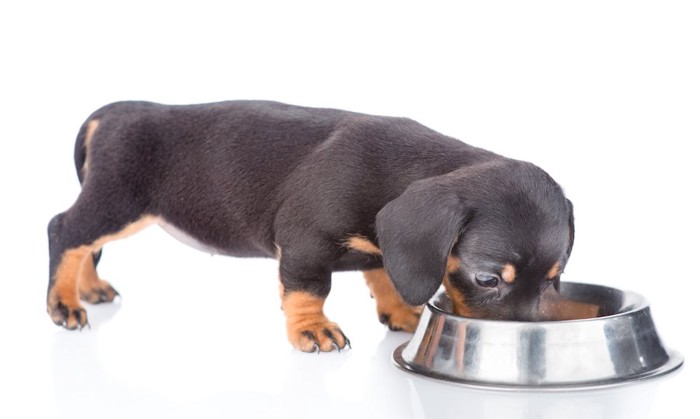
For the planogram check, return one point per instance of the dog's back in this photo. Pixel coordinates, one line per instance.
(321, 190)
(253, 158)
(232, 155)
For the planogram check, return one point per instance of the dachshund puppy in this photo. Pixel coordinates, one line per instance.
(321, 190)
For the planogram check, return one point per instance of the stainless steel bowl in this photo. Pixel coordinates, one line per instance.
(592, 336)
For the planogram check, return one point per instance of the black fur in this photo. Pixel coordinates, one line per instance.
(416, 232)
(517, 215)
(243, 177)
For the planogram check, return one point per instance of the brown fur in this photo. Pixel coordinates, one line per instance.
(386, 294)
(452, 265)
(90, 129)
(554, 271)
(65, 291)
(76, 275)
(508, 273)
(391, 309)
(458, 305)
(308, 329)
(363, 245)
(91, 288)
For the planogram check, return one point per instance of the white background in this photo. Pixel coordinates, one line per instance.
(604, 95)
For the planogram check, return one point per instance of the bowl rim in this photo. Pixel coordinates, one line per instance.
(631, 305)
(640, 304)
(673, 364)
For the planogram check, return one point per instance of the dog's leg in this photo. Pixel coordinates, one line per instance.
(392, 311)
(304, 291)
(308, 329)
(62, 302)
(91, 288)
(74, 238)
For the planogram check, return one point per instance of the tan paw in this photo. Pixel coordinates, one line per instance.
(66, 313)
(400, 317)
(98, 292)
(308, 329)
(322, 336)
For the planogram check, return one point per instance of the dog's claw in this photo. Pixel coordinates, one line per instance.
(324, 339)
(312, 337)
(347, 341)
(330, 336)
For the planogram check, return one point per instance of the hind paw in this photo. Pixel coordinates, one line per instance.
(70, 316)
(98, 292)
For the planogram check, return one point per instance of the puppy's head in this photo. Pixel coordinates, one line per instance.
(496, 234)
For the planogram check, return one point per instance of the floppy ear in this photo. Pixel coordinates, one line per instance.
(416, 232)
(571, 228)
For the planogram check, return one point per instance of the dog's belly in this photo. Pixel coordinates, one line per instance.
(185, 238)
(351, 261)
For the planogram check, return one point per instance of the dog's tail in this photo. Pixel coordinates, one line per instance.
(82, 144)
(91, 127)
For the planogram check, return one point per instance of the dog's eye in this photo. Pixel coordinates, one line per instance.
(486, 280)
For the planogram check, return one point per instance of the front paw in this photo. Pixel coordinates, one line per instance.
(400, 317)
(318, 335)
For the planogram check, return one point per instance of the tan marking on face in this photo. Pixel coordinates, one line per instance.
(452, 264)
(89, 134)
(554, 271)
(390, 306)
(304, 312)
(508, 273)
(459, 307)
(362, 244)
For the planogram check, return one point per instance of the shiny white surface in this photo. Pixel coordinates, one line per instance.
(601, 94)
(202, 336)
